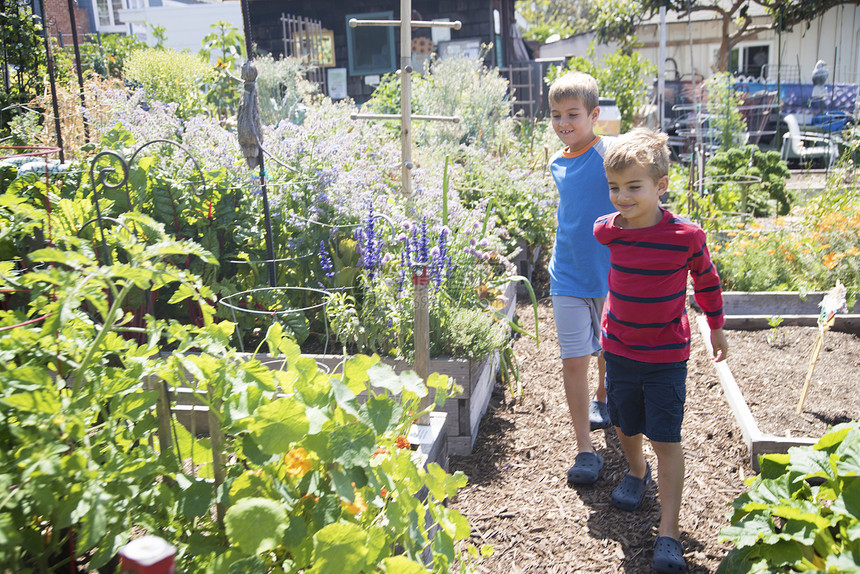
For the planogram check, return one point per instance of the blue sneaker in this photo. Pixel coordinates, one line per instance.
(598, 415)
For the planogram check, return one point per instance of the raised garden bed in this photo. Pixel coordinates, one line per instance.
(752, 311)
(461, 415)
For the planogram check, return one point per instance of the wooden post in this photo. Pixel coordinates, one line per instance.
(216, 438)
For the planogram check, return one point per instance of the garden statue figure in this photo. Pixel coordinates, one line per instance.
(248, 118)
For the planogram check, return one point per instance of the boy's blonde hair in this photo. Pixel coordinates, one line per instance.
(642, 147)
(575, 86)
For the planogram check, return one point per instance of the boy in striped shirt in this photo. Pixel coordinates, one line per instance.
(645, 332)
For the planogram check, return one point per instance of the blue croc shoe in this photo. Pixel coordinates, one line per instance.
(631, 492)
(585, 470)
(598, 415)
(668, 556)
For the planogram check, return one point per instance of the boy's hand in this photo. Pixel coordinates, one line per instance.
(719, 344)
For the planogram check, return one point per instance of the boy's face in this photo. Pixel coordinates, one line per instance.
(573, 123)
(636, 196)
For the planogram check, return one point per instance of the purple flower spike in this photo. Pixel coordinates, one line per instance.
(325, 261)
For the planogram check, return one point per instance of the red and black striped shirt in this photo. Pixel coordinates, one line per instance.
(645, 314)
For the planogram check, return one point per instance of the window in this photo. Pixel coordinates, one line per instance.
(750, 60)
(370, 49)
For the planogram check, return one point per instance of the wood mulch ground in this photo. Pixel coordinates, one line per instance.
(517, 498)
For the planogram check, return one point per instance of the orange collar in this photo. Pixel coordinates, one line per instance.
(569, 154)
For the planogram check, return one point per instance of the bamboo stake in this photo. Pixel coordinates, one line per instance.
(816, 350)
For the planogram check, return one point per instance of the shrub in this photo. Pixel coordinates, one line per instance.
(168, 76)
(802, 512)
(281, 88)
(623, 76)
(747, 180)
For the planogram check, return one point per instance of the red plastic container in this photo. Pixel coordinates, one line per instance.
(148, 555)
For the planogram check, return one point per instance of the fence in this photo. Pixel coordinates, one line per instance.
(306, 40)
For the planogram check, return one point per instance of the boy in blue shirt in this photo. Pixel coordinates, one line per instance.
(580, 265)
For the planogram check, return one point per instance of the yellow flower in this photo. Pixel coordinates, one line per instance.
(853, 251)
(297, 462)
(356, 506)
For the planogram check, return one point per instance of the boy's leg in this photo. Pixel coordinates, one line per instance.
(601, 379)
(575, 374)
(670, 486)
(632, 447)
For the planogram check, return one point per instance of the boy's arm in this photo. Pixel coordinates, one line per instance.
(719, 345)
(706, 286)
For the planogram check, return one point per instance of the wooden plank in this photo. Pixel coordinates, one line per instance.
(844, 323)
(733, 394)
(770, 303)
(757, 442)
(771, 444)
(460, 445)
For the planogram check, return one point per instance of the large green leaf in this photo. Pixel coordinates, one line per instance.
(197, 496)
(352, 444)
(277, 425)
(383, 376)
(402, 565)
(849, 501)
(256, 525)
(355, 372)
(44, 402)
(381, 414)
(339, 547)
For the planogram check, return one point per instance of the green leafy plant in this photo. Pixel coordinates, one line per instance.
(723, 102)
(802, 512)
(282, 88)
(747, 180)
(774, 335)
(107, 55)
(170, 77)
(227, 44)
(303, 469)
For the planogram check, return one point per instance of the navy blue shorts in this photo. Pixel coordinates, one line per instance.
(646, 398)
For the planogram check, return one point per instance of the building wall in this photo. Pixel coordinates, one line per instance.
(184, 26)
(59, 19)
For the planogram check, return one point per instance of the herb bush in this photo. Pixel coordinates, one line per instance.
(298, 476)
(732, 186)
(802, 512)
(459, 86)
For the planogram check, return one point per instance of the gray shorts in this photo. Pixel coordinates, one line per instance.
(577, 322)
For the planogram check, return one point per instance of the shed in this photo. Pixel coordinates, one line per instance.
(361, 56)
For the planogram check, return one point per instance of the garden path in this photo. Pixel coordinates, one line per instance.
(517, 499)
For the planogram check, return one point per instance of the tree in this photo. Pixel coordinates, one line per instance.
(615, 19)
(549, 17)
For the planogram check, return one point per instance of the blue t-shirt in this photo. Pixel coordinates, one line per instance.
(580, 264)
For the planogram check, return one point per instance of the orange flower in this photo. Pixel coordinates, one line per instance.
(853, 251)
(297, 462)
(402, 442)
(356, 506)
(830, 260)
(383, 492)
(379, 452)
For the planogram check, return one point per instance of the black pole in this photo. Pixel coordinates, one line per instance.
(270, 245)
(74, 24)
(50, 61)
